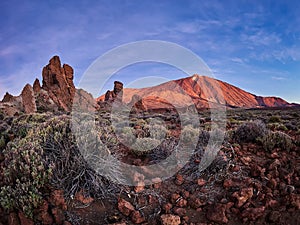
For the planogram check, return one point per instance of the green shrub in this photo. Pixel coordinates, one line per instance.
(274, 119)
(25, 175)
(189, 135)
(250, 131)
(143, 146)
(276, 139)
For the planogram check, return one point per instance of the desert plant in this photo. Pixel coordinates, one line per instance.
(143, 146)
(250, 131)
(25, 175)
(274, 119)
(276, 139)
(189, 135)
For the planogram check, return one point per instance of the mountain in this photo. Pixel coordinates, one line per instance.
(204, 91)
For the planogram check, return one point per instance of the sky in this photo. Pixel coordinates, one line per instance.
(254, 45)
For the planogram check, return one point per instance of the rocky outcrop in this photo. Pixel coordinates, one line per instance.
(36, 86)
(7, 97)
(58, 82)
(116, 94)
(28, 99)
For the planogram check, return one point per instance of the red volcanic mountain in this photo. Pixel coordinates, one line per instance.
(204, 92)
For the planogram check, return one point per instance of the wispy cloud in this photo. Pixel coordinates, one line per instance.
(278, 78)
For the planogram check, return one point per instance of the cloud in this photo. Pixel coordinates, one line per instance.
(278, 78)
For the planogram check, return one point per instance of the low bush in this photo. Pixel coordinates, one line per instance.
(250, 131)
(25, 175)
(144, 146)
(276, 139)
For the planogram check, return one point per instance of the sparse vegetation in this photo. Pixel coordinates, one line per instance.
(250, 131)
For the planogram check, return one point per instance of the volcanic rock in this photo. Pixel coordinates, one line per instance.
(116, 94)
(136, 217)
(125, 207)
(217, 214)
(28, 99)
(169, 219)
(36, 86)
(253, 213)
(58, 82)
(7, 97)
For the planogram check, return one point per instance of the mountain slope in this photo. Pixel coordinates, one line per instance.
(204, 92)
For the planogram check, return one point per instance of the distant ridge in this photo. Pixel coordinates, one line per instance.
(203, 90)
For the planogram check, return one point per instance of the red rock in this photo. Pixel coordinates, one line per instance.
(79, 196)
(7, 97)
(57, 199)
(243, 196)
(167, 207)
(181, 203)
(24, 220)
(169, 219)
(58, 82)
(36, 86)
(180, 211)
(295, 200)
(125, 207)
(195, 202)
(13, 219)
(28, 99)
(44, 215)
(201, 182)
(58, 215)
(253, 213)
(216, 214)
(136, 217)
(67, 223)
(174, 197)
(179, 179)
(185, 194)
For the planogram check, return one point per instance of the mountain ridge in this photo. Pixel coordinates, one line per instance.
(204, 92)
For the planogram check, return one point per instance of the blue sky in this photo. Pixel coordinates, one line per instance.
(254, 45)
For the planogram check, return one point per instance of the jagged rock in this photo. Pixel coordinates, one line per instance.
(217, 214)
(169, 219)
(7, 97)
(36, 86)
(84, 101)
(58, 82)
(126, 208)
(44, 103)
(116, 94)
(28, 99)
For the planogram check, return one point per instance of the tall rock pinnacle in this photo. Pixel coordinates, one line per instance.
(58, 82)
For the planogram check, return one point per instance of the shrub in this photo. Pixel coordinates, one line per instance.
(189, 135)
(143, 146)
(274, 119)
(250, 131)
(276, 139)
(25, 175)
(79, 164)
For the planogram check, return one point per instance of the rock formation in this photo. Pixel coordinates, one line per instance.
(58, 82)
(116, 94)
(28, 99)
(36, 86)
(7, 97)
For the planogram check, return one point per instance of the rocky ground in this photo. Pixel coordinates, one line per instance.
(248, 183)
